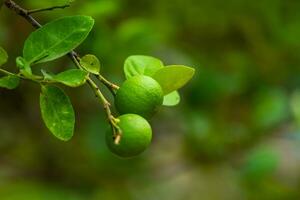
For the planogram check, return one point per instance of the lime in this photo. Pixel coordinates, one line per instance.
(140, 95)
(136, 136)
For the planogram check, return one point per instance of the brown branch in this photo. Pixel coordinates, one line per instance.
(22, 12)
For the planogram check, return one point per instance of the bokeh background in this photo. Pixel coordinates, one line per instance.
(235, 134)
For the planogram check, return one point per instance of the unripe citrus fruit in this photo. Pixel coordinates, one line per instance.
(140, 95)
(136, 136)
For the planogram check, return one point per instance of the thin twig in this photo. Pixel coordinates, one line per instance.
(74, 57)
(20, 76)
(109, 85)
(112, 120)
(22, 12)
(30, 12)
(36, 79)
(7, 72)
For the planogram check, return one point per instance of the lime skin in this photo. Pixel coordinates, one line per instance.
(140, 95)
(136, 136)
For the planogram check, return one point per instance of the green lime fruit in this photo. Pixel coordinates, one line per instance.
(141, 95)
(136, 136)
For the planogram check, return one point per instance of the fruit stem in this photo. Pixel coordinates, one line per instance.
(116, 129)
(111, 86)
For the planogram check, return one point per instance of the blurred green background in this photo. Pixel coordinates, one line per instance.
(235, 134)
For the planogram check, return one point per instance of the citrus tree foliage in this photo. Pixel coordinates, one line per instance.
(151, 84)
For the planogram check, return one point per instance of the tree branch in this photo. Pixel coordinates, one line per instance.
(30, 12)
(117, 132)
(74, 57)
(22, 12)
(10, 4)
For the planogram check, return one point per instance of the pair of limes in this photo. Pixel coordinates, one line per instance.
(138, 98)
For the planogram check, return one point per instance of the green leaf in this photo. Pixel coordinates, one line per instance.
(173, 77)
(3, 56)
(171, 99)
(71, 78)
(56, 38)
(9, 82)
(57, 112)
(47, 75)
(90, 63)
(24, 66)
(141, 65)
